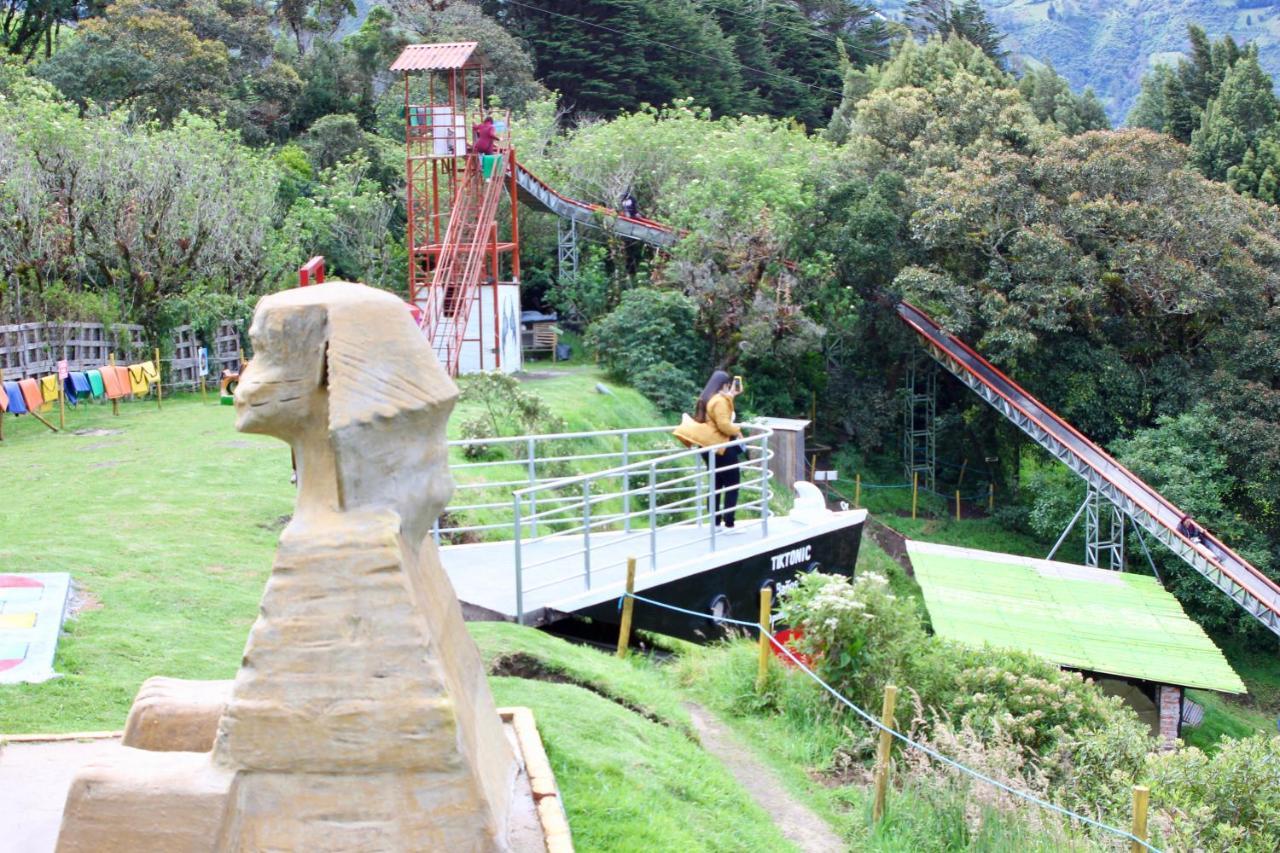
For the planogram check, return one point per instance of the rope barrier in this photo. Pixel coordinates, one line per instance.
(929, 751)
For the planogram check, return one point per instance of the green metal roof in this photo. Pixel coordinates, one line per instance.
(1076, 616)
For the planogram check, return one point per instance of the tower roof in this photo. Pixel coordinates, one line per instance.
(437, 57)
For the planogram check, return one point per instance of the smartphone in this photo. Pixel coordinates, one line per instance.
(737, 384)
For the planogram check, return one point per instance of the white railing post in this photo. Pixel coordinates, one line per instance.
(697, 491)
(626, 484)
(586, 530)
(653, 516)
(764, 486)
(711, 493)
(519, 577)
(533, 479)
(435, 530)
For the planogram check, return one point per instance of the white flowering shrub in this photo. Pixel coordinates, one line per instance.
(856, 631)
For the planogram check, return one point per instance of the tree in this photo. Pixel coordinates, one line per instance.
(1150, 109)
(306, 18)
(150, 61)
(509, 74)
(28, 26)
(605, 57)
(1053, 102)
(967, 20)
(1244, 108)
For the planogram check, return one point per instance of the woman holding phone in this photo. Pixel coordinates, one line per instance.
(711, 425)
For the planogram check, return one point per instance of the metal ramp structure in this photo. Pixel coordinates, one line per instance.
(1106, 478)
(575, 215)
(523, 541)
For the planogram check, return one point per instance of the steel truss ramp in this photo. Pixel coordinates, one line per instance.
(537, 194)
(1257, 594)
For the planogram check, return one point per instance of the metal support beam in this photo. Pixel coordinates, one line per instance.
(919, 435)
(1103, 532)
(567, 243)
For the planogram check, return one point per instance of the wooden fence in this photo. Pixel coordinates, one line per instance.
(34, 349)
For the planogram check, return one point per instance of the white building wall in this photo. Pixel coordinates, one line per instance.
(476, 358)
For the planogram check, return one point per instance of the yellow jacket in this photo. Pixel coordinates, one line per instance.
(718, 429)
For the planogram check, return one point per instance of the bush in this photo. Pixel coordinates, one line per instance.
(1227, 801)
(858, 633)
(650, 337)
(506, 409)
(670, 388)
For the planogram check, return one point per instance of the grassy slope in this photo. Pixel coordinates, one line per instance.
(628, 783)
(170, 525)
(800, 737)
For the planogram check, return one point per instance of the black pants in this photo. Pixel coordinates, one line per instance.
(727, 478)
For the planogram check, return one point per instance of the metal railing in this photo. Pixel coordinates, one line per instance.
(643, 484)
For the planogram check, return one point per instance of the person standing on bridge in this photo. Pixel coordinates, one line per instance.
(712, 425)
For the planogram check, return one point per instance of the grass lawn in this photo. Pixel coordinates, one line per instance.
(168, 526)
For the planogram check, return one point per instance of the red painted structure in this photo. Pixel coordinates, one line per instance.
(312, 272)
(452, 232)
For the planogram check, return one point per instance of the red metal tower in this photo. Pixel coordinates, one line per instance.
(452, 196)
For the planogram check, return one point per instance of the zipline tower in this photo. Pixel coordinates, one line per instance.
(462, 278)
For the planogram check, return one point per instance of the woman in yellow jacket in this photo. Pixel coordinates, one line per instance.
(712, 425)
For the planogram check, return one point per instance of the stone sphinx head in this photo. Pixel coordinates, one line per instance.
(342, 374)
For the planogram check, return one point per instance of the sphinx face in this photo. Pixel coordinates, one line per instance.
(281, 392)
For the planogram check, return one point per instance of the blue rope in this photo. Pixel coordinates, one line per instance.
(932, 753)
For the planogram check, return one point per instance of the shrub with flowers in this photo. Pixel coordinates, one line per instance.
(856, 630)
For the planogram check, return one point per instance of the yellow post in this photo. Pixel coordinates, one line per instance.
(813, 466)
(857, 491)
(882, 751)
(628, 604)
(991, 497)
(915, 491)
(115, 403)
(766, 608)
(159, 384)
(957, 504)
(1141, 794)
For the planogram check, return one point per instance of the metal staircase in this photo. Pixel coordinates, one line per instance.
(455, 283)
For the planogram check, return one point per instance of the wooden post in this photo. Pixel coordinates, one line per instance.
(628, 604)
(991, 498)
(203, 398)
(159, 383)
(1, 413)
(957, 504)
(857, 491)
(766, 608)
(1141, 794)
(41, 419)
(915, 491)
(882, 752)
(115, 402)
(62, 405)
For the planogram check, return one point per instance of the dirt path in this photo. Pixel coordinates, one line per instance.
(796, 821)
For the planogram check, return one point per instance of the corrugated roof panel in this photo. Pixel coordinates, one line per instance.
(434, 57)
(1076, 616)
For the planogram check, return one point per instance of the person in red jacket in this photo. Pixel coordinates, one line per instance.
(486, 137)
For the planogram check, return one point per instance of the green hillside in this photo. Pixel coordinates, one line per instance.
(1110, 44)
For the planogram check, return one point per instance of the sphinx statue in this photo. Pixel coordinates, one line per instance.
(360, 718)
